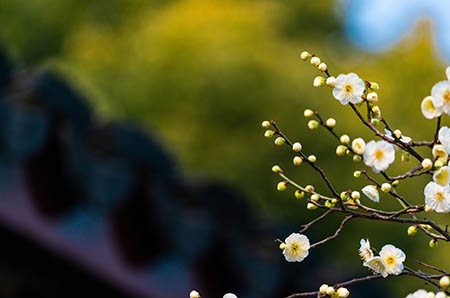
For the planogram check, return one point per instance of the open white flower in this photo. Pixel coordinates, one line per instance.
(442, 176)
(441, 95)
(379, 155)
(359, 146)
(444, 137)
(439, 152)
(371, 192)
(393, 258)
(378, 265)
(429, 111)
(365, 252)
(437, 197)
(297, 246)
(447, 72)
(418, 294)
(348, 88)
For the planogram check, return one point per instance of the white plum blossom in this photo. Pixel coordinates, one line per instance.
(447, 72)
(359, 146)
(229, 295)
(444, 137)
(371, 192)
(379, 155)
(437, 197)
(348, 88)
(365, 252)
(429, 111)
(393, 258)
(418, 294)
(441, 95)
(439, 152)
(442, 176)
(378, 265)
(297, 246)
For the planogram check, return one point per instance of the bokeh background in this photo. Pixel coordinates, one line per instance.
(199, 76)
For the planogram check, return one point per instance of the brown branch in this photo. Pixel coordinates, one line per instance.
(341, 227)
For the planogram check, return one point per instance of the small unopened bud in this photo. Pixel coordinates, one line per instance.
(305, 55)
(308, 113)
(357, 158)
(276, 169)
(334, 201)
(311, 206)
(331, 122)
(313, 124)
(194, 294)
(374, 121)
(297, 161)
(265, 124)
(438, 164)
(279, 141)
(297, 147)
(331, 81)
(282, 245)
(357, 174)
(440, 295)
(323, 289)
(406, 156)
(433, 243)
(344, 195)
(330, 291)
(299, 194)
(340, 150)
(426, 227)
(343, 292)
(430, 295)
(427, 209)
(281, 186)
(318, 81)
(315, 198)
(356, 195)
(386, 187)
(309, 188)
(312, 158)
(322, 66)
(395, 183)
(398, 133)
(329, 204)
(345, 139)
(444, 281)
(412, 230)
(427, 164)
(269, 133)
(372, 97)
(374, 86)
(315, 61)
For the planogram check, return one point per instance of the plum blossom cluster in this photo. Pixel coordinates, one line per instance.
(378, 154)
(444, 282)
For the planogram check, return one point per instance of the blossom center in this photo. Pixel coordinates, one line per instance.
(348, 88)
(295, 248)
(446, 96)
(390, 260)
(439, 195)
(379, 154)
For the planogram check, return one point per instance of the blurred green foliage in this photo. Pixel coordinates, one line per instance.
(205, 73)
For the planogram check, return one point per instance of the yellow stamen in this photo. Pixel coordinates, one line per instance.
(390, 260)
(439, 196)
(348, 88)
(379, 153)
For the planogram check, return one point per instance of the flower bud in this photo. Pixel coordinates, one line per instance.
(276, 169)
(297, 161)
(357, 158)
(344, 195)
(427, 164)
(438, 164)
(357, 174)
(322, 66)
(374, 121)
(433, 243)
(356, 195)
(194, 294)
(395, 183)
(309, 188)
(334, 201)
(440, 153)
(385, 187)
(312, 158)
(426, 227)
(372, 97)
(340, 150)
(398, 133)
(331, 122)
(331, 81)
(440, 295)
(343, 292)
(299, 194)
(315, 198)
(297, 147)
(311, 206)
(315, 61)
(374, 86)
(412, 230)
(305, 55)
(345, 139)
(281, 186)
(282, 245)
(427, 209)
(269, 133)
(313, 124)
(265, 124)
(430, 295)
(279, 141)
(318, 81)
(406, 156)
(376, 112)
(329, 204)
(308, 113)
(330, 291)
(444, 281)
(323, 289)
